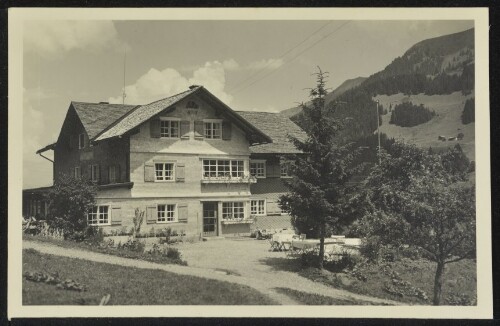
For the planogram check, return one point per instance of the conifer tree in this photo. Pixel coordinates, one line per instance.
(318, 190)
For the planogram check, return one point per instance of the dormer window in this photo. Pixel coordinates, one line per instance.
(81, 141)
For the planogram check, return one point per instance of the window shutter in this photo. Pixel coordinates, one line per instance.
(198, 129)
(151, 214)
(180, 172)
(117, 172)
(154, 128)
(116, 215)
(89, 171)
(71, 142)
(185, 126)
(149, 172)
(273, 170)
(98, 173)
(182, 211)
(272, 207)
(226, 130)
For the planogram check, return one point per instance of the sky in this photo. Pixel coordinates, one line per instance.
(249, 65)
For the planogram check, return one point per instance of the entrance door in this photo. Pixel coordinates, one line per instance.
(210, 219)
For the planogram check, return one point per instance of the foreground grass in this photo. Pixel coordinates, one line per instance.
(317, 299)
(105, 250)
(128, 286)
(459, 286)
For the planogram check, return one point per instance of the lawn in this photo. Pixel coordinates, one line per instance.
(313, 299)
(128, 286)
(410, 278)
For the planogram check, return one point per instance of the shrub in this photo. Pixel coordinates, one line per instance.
(370, 248)
(409, 115)
(69, 201)
(132, 245)
(173, 253)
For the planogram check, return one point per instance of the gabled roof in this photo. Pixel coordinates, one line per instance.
(96, 117)
(277, 127)
(143, 113)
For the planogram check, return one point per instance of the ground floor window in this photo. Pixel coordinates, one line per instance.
(98, 215)
(233, 210)
(166, 213)
(257, 207)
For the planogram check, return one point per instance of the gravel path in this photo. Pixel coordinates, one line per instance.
(248, 262)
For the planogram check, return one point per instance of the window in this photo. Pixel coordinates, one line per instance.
(98, 215)
(257, 207)
(81, 141)
(258, 169)
(77, 172)
(223, 168)
(169, 128)
(164, 171)
(166, 213)
(213, 129)
(112, 174)
(285, 169)
(233, 210)
(283, 209)
(94, 171)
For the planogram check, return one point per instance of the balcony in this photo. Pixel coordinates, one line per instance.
(228, 179)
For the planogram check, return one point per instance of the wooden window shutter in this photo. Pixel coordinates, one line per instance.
(273, 170)
(185, 126)
(182, 211)
(71, 142)
(149, 172)
(151, 214)
(272, 207)
(199, 129)
(180, 173)
(98, 173)
(116, 215)
(89, 171)
(154, 128)
(117, 172)
(226, 130)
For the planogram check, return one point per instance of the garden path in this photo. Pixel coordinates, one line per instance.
(245, 261)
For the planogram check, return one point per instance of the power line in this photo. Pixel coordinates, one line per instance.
(295, 57)
(280, 57)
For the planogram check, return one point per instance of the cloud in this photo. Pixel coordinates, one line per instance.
(56, 36)
(155, 84)
(265, 64)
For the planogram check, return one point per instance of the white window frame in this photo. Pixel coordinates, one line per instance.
(98, 213)
(81, 141)
(164, 219)
(263, 168)
(252, 206)
(77, 172)
(212, 122)
(172, 174)
(229, 216)
(229, 168)
(284, 163)
(168, 134)
(93, 173)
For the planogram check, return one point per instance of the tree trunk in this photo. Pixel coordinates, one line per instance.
(438, 282)
(321, 247)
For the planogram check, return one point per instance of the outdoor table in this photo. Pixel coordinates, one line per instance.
(283, 241)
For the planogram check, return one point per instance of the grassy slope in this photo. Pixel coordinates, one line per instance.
(447, 121)
(317, 299)
(128, 286)
(459, 279)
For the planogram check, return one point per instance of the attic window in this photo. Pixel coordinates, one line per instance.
(81, 141)
(192, 105)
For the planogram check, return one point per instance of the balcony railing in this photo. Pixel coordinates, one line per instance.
(228, 179)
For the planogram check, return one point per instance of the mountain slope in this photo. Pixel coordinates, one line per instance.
(438, 70)
(344, 87)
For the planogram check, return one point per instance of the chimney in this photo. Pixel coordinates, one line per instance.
(193, 86)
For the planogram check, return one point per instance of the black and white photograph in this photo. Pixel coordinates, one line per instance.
(289, 162)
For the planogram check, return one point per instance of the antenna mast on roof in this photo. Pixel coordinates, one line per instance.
(124, 70)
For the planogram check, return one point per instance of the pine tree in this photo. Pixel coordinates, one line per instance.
(318, 191)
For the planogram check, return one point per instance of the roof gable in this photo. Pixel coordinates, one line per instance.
(95, 117)
(278, 127)
(143, 113)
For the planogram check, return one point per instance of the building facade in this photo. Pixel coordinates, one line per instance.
(189, 162)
